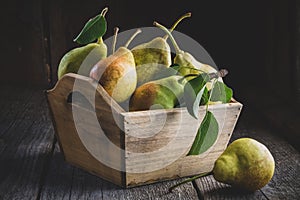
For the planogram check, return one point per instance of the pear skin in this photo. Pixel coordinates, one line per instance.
(159, 94)
(246, 163)
(184, 59)
(80, 60)
(117, 74)
(151, 58)
(191, 65)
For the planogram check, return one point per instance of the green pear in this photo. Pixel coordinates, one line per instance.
(154, 56)
(80, 60)
(164, 93)
(117, 73)
(189, 65)
(246, 163)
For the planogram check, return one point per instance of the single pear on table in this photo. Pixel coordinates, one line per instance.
(246, 163)
(189, 65)
(154, 56)
(163, 93)
(117, 73)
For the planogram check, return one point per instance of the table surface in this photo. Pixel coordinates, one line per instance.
(32, 166)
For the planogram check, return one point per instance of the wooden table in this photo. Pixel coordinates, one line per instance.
(32, 166)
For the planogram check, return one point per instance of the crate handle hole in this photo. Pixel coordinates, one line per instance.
(77, 98)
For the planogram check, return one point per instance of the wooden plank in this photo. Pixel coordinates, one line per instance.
(81, 138)
(64, 181)
(180, 129)
(285, 182)
(58, 179)
(209, 188)
(12, 105)
(25, 147)
(22, 49)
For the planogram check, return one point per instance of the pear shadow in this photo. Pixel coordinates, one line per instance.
(231, 192)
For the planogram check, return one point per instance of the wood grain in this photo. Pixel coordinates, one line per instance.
(83, 146)
(25, 145)
(81, 138)
(63, 181)
(29, 172)
(178, 122)
(285, 182)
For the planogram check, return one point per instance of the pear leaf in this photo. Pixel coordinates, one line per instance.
(206, 136)
(193, 91)
(92, 30)
(221, 92)
(175, 67)
(205, 97)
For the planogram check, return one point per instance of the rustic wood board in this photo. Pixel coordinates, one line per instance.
(285, 183)
(25, 145)
(32, 171)
(64, 181)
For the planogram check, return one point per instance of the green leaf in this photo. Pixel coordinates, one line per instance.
(206, 136)
(175, 67)
(205, 97)
(221, 92)
(193, 91)
(92, 30)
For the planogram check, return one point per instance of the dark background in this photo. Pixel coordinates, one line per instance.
(257, 41)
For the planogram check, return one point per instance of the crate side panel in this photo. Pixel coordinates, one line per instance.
(81, 142)
(185, 165)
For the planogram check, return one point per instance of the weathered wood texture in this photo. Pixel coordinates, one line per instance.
(172, 142)
(64, 181)
(285, 182)
(26, 141)
(80, 135)
(155, 142)
(31, 170)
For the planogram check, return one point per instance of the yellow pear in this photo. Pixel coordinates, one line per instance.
(117, 73)
(246, 163)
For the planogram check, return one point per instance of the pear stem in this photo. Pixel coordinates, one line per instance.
(177, 22)
(178, 51)
(116, 30)
(221, 73)
(132, 37)
(100, 40)
(188, 180)
(104, 11)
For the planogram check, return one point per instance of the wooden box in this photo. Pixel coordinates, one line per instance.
(131, 148)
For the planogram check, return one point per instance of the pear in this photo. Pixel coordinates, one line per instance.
(81, 59)
(163, 93)
(246, 163)
(189, 65)
(117, 73)
(154, 56)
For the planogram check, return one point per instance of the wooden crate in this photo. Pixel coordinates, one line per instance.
(137, 156)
